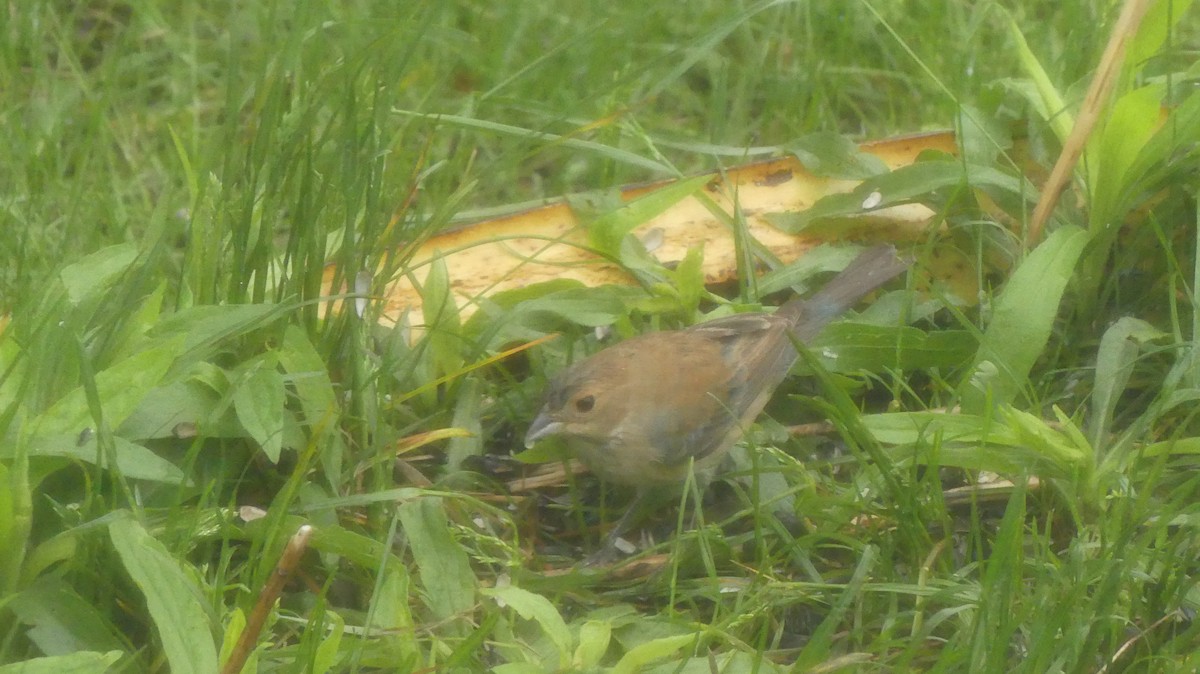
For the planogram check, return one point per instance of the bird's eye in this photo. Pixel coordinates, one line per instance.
(585, 404)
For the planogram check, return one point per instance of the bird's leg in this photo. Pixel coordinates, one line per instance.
(608, 551)
(647, 497)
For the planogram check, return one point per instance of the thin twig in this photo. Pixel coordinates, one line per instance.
(266, 600)
(1089, 113)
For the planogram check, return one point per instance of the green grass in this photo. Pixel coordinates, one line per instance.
(178, 175)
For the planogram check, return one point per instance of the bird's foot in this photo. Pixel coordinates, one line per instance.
(613, 549)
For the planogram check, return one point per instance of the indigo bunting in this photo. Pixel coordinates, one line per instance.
(640, 412)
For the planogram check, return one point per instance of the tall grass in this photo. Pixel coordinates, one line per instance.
(176, 400)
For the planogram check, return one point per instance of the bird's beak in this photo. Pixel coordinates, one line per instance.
(542, 427)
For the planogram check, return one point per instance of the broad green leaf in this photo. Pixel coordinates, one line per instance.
(392, 615)
(548, 305)
(133, 460)
(593, 204)
(687, 281)
(1156, 26)
(331, 541)
(981, 137)
(391, 604)
(607, 232)
(537, 608)
(1113, 150)
(234, 627)
(742, 662)
(849, 347)
(1065, 450)
(1029, 90)
(593, 313)
(258, 400)
(594, 637)
(1022, 320)
(192, 400)
(1012, 460)
(92, 275)
(205, 327)
(59, 621)
(1182, 446)
(1080, 449)
(443, 330)
(172, 596)
(14, 525)
(518, 668)
(526, 314)
(444, 570)
(328, 651)
(1008, 442)
(1114, 364)
(141, 321)
(904, 185)
(121, 387)
(658, 649)
(57, 548)
(544, 452)
(14, 363)
(1175, 139)
(908, 428)
(467, 416)
(1179, 398)
(799, 274)
(1049, 101)
(1162, 162)
(77, 663)
(308, 375)
(832, 155)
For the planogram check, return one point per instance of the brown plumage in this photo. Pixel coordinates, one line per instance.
(637, 411)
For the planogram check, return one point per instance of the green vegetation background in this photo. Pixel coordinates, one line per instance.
(177, 175)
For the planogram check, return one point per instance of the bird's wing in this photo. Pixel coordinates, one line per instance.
(739, 360)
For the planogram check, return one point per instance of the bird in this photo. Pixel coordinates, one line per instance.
(648, 410)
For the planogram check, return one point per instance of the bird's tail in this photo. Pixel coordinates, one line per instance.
(871, 269)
